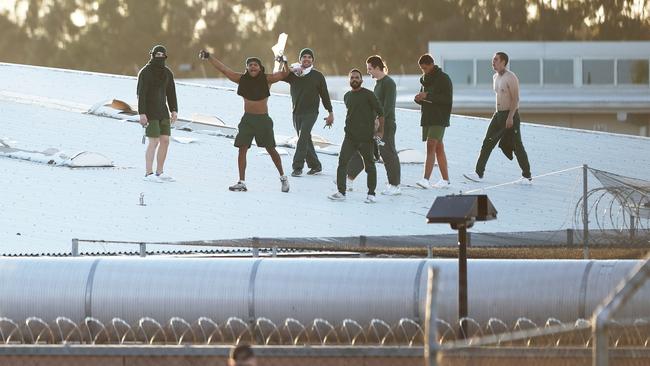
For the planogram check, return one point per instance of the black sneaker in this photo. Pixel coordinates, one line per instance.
(297, 173)
(314, 171)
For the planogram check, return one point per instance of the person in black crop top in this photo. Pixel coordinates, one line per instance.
(256, 123)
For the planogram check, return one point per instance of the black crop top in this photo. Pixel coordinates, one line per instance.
(253, 88)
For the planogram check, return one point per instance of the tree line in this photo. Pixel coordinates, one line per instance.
(114, 36)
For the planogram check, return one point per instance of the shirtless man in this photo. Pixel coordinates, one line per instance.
(256, 123)
(506, 87)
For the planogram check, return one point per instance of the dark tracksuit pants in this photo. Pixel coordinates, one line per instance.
(303, 123)
(388, 154)
(494, 133)
(349, 149)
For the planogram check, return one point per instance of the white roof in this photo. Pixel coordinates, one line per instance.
(43, 207)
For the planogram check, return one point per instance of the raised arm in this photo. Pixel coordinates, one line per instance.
(280, 75)
(228, 72)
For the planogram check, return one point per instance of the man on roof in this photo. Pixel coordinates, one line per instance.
(308, 87)
(256, 123)
(156, 91)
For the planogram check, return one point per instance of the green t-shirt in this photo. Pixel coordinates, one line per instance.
(363, 108)
(386, 92)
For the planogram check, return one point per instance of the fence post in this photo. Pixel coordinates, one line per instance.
(610, 306)
(256, 249)
(75, 247)
(632, 227)
(569, 237)
(430, 326)
(143, 249)
(585, 213)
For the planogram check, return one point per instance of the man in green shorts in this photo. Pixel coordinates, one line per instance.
(256, 123)
(435, 98)
(156, 90)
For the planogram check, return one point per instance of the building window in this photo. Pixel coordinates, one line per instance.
(461, 72)
(597, 72)
(484, 72)
(527, 71)
(558, 71)
(632, 71)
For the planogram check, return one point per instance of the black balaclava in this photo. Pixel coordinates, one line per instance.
(158, 63)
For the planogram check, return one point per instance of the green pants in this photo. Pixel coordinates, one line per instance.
(350, 148)
(494, 133)
(388, 154)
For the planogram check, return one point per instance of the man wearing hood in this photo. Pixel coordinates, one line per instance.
(307, 87)
(435, 98)
(156, 90)
(256, 123)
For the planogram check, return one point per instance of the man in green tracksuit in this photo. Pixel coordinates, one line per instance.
(363, 109)
(386, 92)
(307, 87)
(156, 89)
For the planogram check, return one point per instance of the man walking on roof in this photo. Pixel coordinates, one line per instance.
(256, 123)
(363, 109)
(156, 90)
(505, 124)
(386, 92)
(435, 98)
(308, 87)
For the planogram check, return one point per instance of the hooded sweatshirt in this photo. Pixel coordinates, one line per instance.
(156, 90)
(437, 85)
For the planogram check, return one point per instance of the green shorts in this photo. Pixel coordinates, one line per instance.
(433, 132)
(259, 126)
(157, 127)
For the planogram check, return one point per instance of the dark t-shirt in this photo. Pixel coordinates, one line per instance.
(363, 108)
(253, 88)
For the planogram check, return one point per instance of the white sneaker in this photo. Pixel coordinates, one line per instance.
(392, 191)
(238, 187)
(285, 183)
(473, 176)
(441, 184)
(525, 181)
(153, 178)
(371, 199)
(424, 183)
(338, 196)
(165, 177)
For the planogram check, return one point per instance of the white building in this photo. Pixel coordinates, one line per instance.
(600, 86)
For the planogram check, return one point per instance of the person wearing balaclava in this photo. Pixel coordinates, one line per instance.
(256, 122)
(156, 98)
(308, 88)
